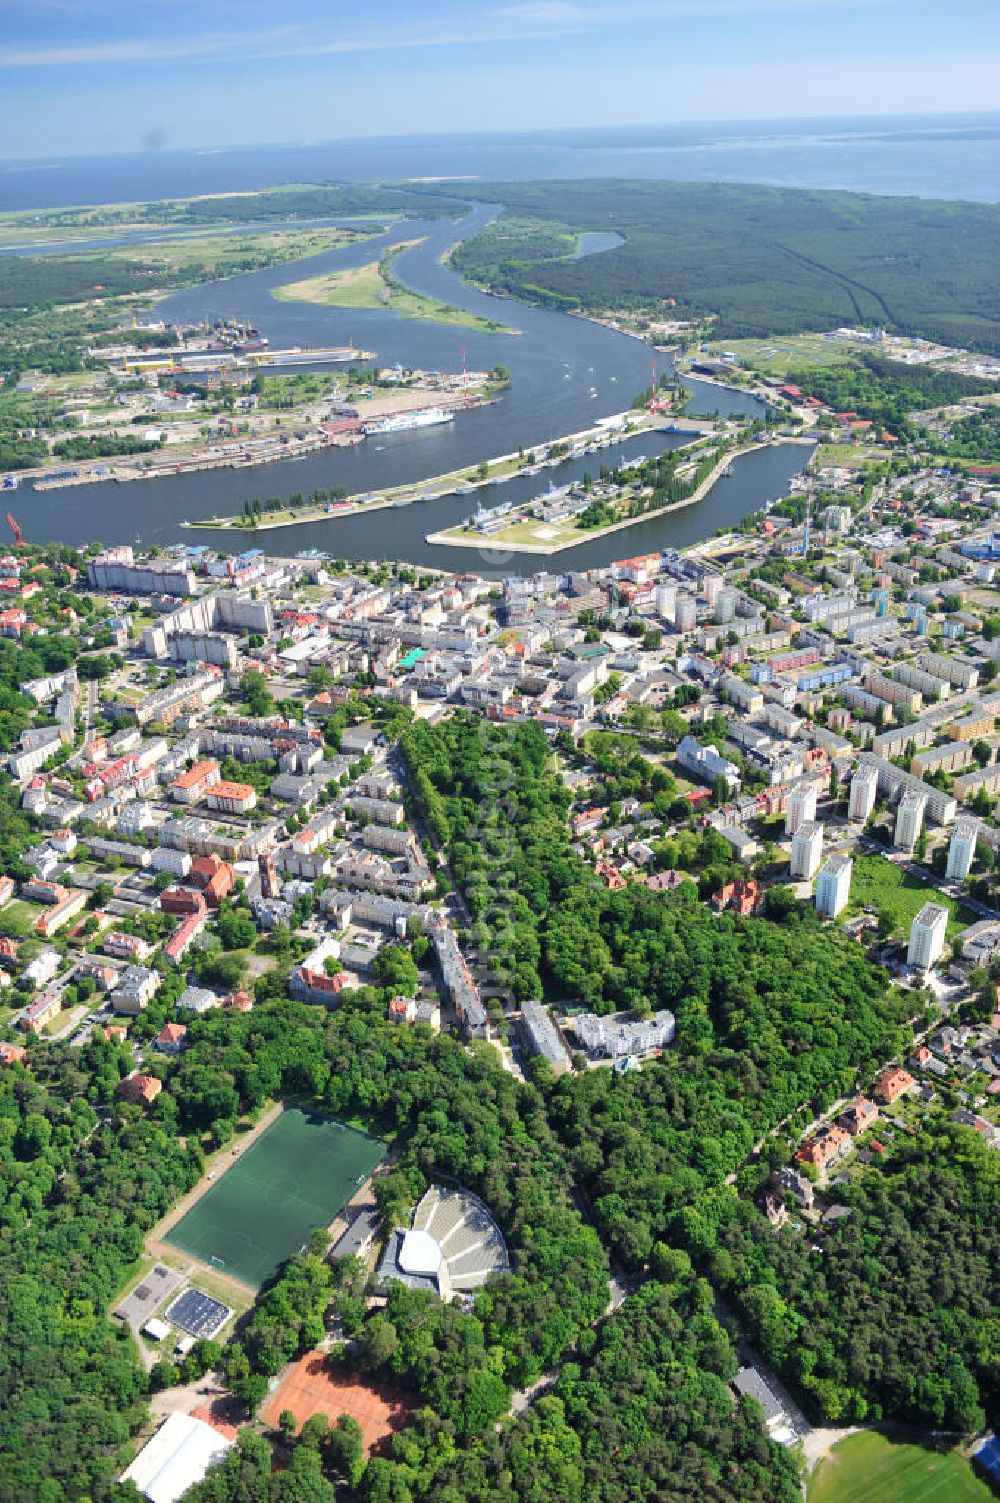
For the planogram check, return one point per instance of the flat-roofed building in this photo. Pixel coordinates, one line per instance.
(801, 807)
(807, 850)
(941, 807)
(833, 885)
(952, 756)
(864, 787)
(927, 936)
(542, 1037)
(962, 849)
(909, 819)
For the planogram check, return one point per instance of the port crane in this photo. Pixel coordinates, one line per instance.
(15, 529)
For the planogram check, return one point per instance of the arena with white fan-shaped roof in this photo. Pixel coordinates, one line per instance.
(452, 1245)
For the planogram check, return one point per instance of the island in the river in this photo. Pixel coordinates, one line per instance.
(376, 285)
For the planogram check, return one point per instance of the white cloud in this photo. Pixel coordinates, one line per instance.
(580, 14)
(292, 41)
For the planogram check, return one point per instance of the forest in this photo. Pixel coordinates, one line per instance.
(757, 260)
(776, 1018)
(898, 1315)
(643, 1411)
(79, 1196)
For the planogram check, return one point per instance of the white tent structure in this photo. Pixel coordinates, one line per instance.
(179, 1455)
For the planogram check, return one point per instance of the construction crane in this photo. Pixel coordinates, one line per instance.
(15, 529)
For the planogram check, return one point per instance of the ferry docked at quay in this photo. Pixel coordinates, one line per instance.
(403, 422)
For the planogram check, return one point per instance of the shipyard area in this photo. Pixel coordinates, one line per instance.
(170, 399)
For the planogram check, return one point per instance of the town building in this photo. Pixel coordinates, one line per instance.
(542, 1038)
(801, 807)
(962, 849)
(621, 1035)
(807, 851)
(706, 764)
(927, 937)
(137, 985)
(909, 819)
(833, 885)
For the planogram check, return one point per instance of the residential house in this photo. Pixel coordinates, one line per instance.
(892, 1084)
(828, 1147)
(140, 1090)
(170, 1039)
(859, 1116)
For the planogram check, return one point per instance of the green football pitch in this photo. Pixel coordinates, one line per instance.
(298, 1175)
(868, 1468)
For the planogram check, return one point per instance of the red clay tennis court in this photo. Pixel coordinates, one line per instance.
(314, 1387)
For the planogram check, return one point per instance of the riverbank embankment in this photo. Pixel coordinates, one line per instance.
(462, 539)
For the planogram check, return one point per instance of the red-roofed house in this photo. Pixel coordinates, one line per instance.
(892, 1084)
(170, 1039)
(825, 1148)
(140, 1090)
(742, 897)
(238, 1001)
(859, 1116)
(214, 877)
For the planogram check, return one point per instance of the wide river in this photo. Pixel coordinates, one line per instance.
(566, 372)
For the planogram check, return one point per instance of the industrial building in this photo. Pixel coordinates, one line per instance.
(177, 1457)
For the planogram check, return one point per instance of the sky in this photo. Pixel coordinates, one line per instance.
(83, 76)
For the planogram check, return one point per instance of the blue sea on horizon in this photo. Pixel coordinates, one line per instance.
(950, 157)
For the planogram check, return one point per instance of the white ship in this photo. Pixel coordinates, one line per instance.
(424, 417)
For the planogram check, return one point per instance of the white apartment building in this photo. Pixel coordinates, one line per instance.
(801, 806)
(833, 885)
(807, 850)
(962, 850)
(909, 819)
(864, 787)
(927, 934)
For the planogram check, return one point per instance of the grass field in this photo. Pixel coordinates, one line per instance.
(297, 1176)
(787, 352)
(893, 890)
(847, 457)
(868, 1468)
(371, 286)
